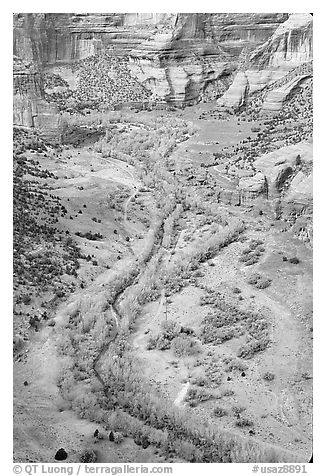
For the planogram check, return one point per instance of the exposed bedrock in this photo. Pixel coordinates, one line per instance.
(275, 98)
(287, 48)
(29, 106)
(281, 167)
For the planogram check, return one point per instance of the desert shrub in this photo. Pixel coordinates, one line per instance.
(187, 451)
(294, 260)
(238, 409)
(259, 281)
(232, 364)
(254, 243)
(252, 254)
(152, 342)
(263, 283)
(251, 260)
(253, 279)
(249, 349)
(200, 381)
(214, 374)
(236, 290)
(243, 422)
(163, 343)
(198, 395)
(269, 376)
(227, 392)
(219, 412)
(183, 346)
(88, 456)
(170, 329)
(118, 437)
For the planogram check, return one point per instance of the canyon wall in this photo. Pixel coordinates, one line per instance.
(288, 47)
(29, 105)
(174, 55)
(178, 58)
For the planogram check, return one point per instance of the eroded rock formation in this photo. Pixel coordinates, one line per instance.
(175, 55)
(29, 106)
(288, 47)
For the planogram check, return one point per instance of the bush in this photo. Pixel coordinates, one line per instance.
(259, 281)
(253, 279)
(228, 392)
(183, 346)
(263, 283)
(118, 437)
(294, 260)
(238, 409)
(88, 456)
(163, 343)
(200, 381)
(249, 349)
(170, 329)
(234, 364)
(243, 422)
(269, 376)
(152, 342)
(236, 290)
(219, 412)
(198, 395)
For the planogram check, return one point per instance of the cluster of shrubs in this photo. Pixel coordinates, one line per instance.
(213, 374)
(252, 254)
(175, 337)
(42, 254)
(244, 422)
(293, 260)
(197, 395)
(219, 412)
(228, 321)
(259, 281)
(232, 364)
(220, 325)
(90, 236)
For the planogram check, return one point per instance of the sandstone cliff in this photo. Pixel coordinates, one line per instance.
(289, 47)
(176, 56)
(29, 106)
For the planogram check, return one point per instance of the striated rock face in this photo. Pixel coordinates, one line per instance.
(288, 47)
(29, 106)
(300, 189)
(280, 165)
(175, 55)
(275, 98)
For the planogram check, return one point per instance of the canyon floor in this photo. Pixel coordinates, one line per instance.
(279, 408)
